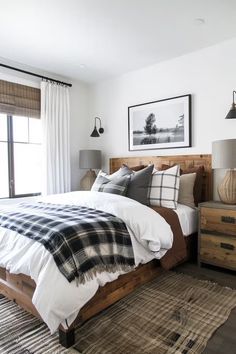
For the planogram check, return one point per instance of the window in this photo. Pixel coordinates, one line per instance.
(20, 156)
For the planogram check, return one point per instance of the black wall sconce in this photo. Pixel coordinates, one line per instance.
(232, 112)
(95, 133)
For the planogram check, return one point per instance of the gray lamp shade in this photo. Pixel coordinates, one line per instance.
(224, 153)
(89, 159)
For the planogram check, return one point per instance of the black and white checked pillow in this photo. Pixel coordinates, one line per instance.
(164, 190)
(116, 185)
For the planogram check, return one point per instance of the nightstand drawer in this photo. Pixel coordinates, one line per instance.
(218, 221)
(218, 250)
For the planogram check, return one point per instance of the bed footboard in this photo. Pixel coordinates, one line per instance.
(20, 289)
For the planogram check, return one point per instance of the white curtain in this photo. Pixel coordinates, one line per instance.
(55, 113)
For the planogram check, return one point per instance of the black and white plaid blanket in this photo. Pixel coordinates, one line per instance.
(83, 241)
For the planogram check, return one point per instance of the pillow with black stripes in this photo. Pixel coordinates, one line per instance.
(116, 185)
(164, 190)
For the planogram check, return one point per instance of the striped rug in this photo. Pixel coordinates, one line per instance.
(21, 333)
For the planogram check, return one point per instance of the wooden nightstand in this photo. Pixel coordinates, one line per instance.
(217, 235)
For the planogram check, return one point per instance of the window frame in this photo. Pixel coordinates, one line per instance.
(11, 173)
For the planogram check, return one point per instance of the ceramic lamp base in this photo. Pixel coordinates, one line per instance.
(227, 188)
(88, 180)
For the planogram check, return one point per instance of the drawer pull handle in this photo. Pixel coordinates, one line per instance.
(227, 246)
(228, 219)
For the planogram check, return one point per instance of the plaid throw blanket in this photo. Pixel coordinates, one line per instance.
(82, 241)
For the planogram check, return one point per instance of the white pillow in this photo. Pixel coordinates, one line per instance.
(164, 190)
(186, 189)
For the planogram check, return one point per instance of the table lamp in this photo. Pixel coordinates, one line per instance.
(89, 159)
(224, 157)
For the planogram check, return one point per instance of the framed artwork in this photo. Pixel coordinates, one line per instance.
(163, 124)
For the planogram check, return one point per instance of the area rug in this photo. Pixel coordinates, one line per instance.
(174, 314)
(21, 333)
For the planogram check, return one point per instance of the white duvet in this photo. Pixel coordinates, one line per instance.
(57, 300)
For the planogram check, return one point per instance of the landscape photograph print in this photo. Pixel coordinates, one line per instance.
(161, 124)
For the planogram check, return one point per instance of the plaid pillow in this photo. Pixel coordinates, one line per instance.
(164, 189)
(197, 189)
(123, 171)
(114, 185)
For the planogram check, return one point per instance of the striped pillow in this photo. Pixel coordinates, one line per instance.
(164, 189)
(114, 185)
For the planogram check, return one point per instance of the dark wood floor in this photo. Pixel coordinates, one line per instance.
(224, 339)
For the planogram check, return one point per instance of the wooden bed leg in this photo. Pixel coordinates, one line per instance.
(67, 338)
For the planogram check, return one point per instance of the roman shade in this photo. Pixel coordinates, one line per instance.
(19, 100)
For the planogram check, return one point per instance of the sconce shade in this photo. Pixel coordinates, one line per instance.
(232, 112)
(95, 133)
(90, 159)
(224, 153)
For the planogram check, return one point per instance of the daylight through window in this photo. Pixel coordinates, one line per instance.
(20, 155)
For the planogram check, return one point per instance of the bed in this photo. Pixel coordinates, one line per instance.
(21, 287)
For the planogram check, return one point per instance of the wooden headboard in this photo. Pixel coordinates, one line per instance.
(185, 162)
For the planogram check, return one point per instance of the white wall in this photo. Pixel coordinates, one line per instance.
(79, 110)
(208, 74)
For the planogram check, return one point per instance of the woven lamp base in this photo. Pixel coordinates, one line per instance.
(88, 180)
(227, 188)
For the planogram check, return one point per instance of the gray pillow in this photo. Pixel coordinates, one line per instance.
(123, 171)
(139, 184)
(115, 185)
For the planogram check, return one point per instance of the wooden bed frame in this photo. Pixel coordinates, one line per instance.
(20, 288)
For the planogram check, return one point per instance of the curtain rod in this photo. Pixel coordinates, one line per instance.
(33, 74)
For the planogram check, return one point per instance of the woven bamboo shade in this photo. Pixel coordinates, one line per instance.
(19, 100)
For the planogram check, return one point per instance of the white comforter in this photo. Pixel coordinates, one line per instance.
(55, 298)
